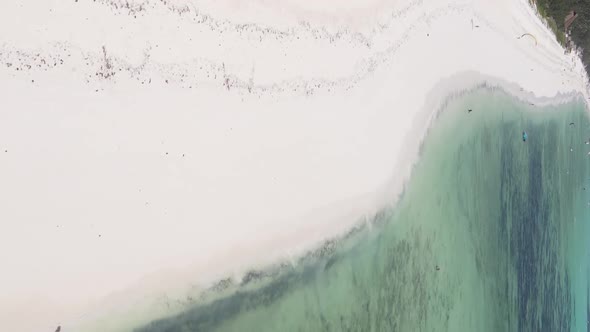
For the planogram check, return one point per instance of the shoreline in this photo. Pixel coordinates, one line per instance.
(258, 276)
(263, 270)
(395, 77)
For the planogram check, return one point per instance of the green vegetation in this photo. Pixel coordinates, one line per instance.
(555, 12)
(543, 8)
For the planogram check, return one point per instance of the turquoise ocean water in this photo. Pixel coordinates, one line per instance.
(491, 234)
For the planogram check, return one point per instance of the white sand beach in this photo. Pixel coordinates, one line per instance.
(147, 147)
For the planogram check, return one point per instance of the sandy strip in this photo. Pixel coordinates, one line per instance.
(147, 147)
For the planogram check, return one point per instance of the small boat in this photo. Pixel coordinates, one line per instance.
(524, 136)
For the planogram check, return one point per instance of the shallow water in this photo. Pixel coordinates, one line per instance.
(490, 235)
